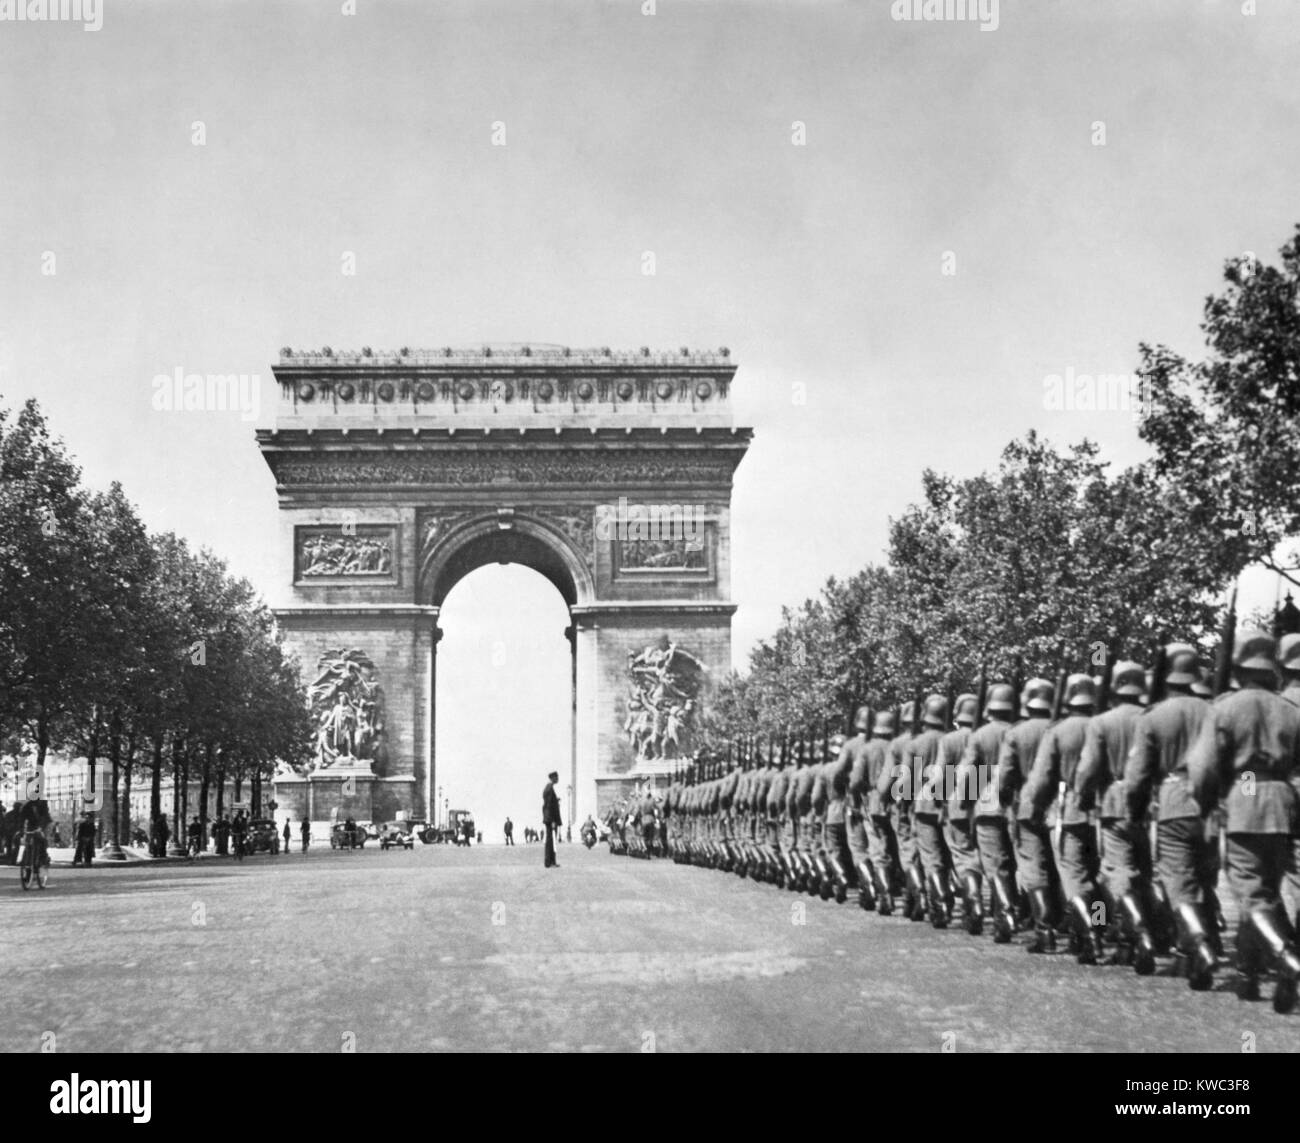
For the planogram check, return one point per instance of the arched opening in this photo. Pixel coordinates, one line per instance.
(504, 697)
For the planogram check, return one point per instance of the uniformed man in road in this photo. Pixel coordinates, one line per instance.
(1053, 782)
(960, 832)
(1126, 871)
(1155, 777)
(1035, 869)
(1246, 755)
(979, 793)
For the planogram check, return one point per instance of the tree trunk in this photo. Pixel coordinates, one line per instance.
(155, 786)
(203, 791)
(221, 790)
(255, 783)
(115, 758)
(176, 786)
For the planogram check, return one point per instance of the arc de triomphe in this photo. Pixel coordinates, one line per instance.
(608, 472)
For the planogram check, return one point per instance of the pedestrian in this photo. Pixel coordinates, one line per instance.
(509, 831)
(1246, 754)
(161, 835)
(350, 833)
(195, 836)
(305, 831)
(288, 835)
(222, 832)
(551, 818)
(85, 851)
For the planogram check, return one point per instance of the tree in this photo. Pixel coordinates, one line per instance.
(1226, 429)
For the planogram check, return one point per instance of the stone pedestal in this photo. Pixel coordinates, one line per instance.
(354, 791)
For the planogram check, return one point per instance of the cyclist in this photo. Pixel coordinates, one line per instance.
(32, 819)
(196, 837)
(238, 828)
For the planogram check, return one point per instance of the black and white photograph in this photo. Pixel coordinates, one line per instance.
(643, 527)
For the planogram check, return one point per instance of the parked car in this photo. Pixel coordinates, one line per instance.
(263, 836)
(371, 829)
(397, 834)
(339, 839)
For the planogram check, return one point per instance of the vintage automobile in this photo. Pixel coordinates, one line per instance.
(263, 836)
(397, 834)
(371, 829)
(339, 839)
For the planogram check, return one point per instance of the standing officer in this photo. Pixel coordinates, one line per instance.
(1156, 776)
(1125, 850)
(1033, 840)
(978, 793)
(1247, 752)
(856, 759)
(1054, 779)
(925, 779)
(550, 818)
(961, 832)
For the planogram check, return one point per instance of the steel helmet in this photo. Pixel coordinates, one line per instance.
(1203, 684)
(884, 723)
(909, 709)
(1255, 651)
(862, 718)
(935, 711)
(1183, 663)
(1288, 653)
(1080, 691)
(1128, 678)
(966, 713)
(1001, 697)
(1039, 694)
(834, 746)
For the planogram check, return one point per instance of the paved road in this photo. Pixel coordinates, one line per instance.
(482, 949)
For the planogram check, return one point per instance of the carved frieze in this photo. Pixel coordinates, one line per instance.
(505, 469)
(340, 550)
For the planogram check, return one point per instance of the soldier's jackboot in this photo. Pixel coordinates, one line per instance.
(866, 884)
(1274, 931)
(1139, 935)
(972, 887)
(1040, 906)
(941, 899)
(1004, 909)
(840, 882)
(825, 877)
(1091, 945)
(1160, 916)
(1215, 922)
(884, 895)
(1024, 909)
(1249, 955)
(914, 906)
(1196, 948)
(1116, 929)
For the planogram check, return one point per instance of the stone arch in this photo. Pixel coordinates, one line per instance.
(461, 546)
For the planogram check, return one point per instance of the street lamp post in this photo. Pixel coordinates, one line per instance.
(437, 808)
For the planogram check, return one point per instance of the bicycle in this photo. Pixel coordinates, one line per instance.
(238, 847)
(30, 868)
(193, 849)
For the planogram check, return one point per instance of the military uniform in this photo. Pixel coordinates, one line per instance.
(1289, 661)
(924, 782)
(1054, 782)
(960, 833)
(882, 843)
(1247, 754)
(1156, 780)
(894, 788)
(1033, 841)
(979, 792)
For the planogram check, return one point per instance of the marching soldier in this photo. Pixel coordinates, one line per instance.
(857, 758)
(1033, 840)
(961, 832)
(895, 795)
(1156, 775)
(774, 815)
(726, 819)
(1289, 663)
(830, 800)
(1247, 753)
(1125, 852)
(927, 808)
(1053, 780)
(805, 781)
(977, 795)
(768, 867)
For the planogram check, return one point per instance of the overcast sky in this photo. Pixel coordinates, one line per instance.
(819, 265)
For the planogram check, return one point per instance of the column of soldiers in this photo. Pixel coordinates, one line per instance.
(1098, 811)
